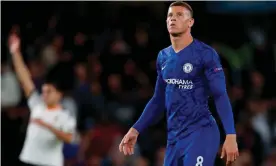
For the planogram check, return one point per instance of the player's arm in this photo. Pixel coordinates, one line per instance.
(66, 132)
(155, 106)
(64, 136)
(21, 69)
(216, 79)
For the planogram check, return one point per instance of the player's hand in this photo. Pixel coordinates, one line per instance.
(230, 149)
(128, 142)
(14, 43)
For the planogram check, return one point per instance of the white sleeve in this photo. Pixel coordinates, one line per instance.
(34, 100)
(68, 124)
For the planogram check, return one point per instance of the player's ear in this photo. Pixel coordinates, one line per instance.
(191, 22)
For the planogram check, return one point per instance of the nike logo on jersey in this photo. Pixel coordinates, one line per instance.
(163, 67)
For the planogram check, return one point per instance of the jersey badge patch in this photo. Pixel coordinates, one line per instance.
(187, 68)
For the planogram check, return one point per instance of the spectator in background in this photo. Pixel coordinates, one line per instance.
(240, 59)
(97, 141)
(52, 52)
(141, 161)
(115, 158)
(245, 159)
(10, 89)
(159, 157)
(82, 78)
(80, 46)
(95, 68)
(119, 45)
(97, 97)
(257, 85)
(270, 160)
(260, 122)
(250, 140)
(69, 104)
(37, 71)
(88, 95)
(115, 89)
(94, 160)
(237, 100)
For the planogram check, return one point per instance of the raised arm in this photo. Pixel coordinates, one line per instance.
(21, 69)
(155, 106)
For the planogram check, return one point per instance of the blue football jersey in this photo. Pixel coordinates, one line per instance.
(185, 80)
(186, 76)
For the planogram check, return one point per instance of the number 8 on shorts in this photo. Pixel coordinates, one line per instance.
(199, 161)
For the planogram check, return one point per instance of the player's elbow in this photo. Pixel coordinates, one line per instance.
(218, 92)
(67, 138)
(157, 102)
(158, 97)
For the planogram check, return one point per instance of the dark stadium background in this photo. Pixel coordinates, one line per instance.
(104, 55)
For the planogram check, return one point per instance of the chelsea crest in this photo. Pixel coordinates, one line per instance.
(187, 67)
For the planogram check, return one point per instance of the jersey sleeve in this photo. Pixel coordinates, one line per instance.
(156, 105)
(216, 80)
(34, 100)
(68, 124)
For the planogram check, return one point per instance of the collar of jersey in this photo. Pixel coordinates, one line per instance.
(53, 108)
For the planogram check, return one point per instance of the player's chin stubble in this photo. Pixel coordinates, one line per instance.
(176, 34)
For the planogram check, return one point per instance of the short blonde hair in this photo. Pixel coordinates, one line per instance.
(183, 4)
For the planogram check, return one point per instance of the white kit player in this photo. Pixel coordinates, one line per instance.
(49, 125)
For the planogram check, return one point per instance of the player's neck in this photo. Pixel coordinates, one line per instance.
(53, 107)
(180, 42)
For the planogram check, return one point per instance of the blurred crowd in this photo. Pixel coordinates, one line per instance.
(104, 53)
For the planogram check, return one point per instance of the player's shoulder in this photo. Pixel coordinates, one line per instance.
(67, 117)
(203, 47)
(204, 50)
(65, 113)
(164, 54)
(165, 51)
